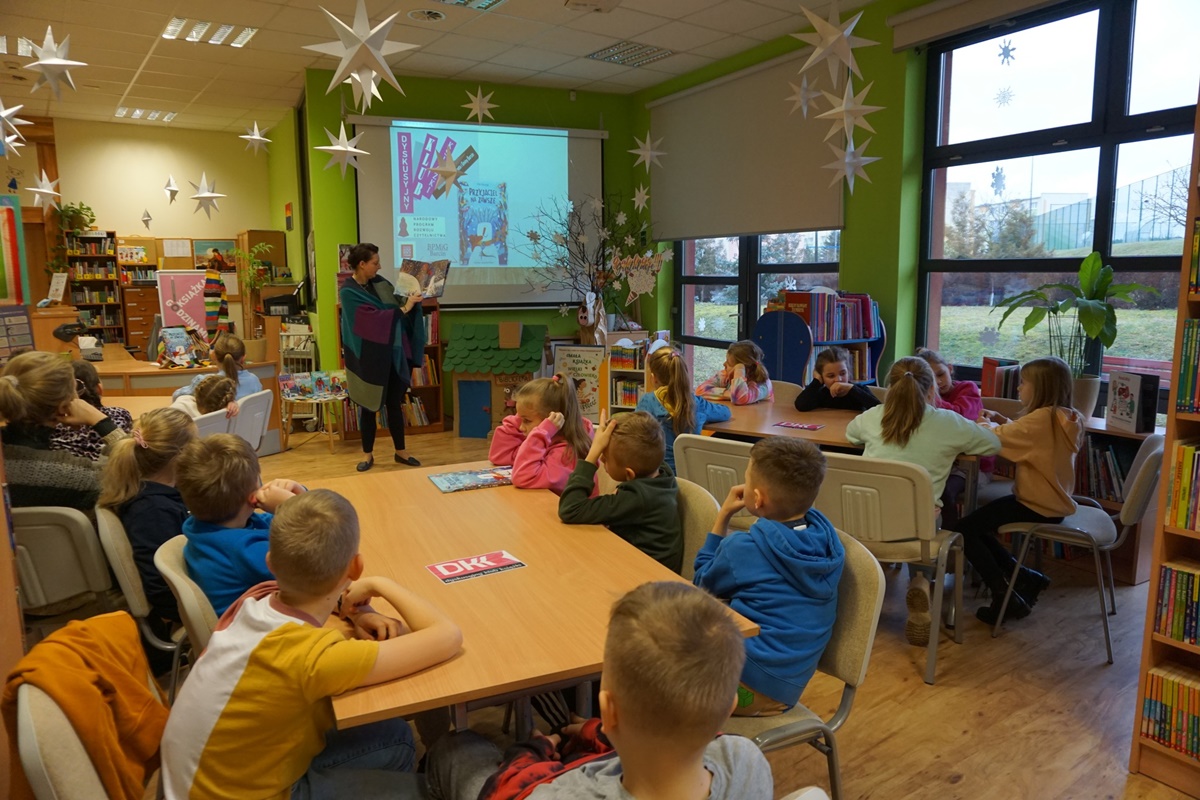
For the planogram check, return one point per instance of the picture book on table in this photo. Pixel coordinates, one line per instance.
(303, 382)
(287, 387)
(472, 479)
(483, 224)
(1132, 401)
(176, 347)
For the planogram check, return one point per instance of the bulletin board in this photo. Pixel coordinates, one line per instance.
(175, 254)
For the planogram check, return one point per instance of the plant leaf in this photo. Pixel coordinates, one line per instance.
(1092, 316)
(1102, 285)
(1020, 299)
(1089, 274)
(1108, 334)
(1074, 290)
(1036, 315)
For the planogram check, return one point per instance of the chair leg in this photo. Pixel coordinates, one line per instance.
(508, 711)
(935, 614)
(1012, 582)
(1112, 583)
(173, 686)
(1103, 602)
(959, 557)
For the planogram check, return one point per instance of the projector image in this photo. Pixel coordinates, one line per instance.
(602, 6)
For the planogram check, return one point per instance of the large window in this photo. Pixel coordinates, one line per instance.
(722, 284)
(1067, 131)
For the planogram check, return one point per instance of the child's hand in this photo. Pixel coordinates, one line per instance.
(554, 739)
(373, 626)
(840, 389)
(80, 414)
(358, 593)
(270, 495)
(735, 501)
(232, 410)
(556, 419)
(603, 435)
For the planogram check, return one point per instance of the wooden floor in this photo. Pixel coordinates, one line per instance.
(1035, 713)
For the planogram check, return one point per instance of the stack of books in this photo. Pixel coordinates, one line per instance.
(1171, 709)
(626, 393)
(1178, 600)
(426, 375)
(313, 387)
(414, 412)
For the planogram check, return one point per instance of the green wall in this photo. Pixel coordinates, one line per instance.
(283, 176)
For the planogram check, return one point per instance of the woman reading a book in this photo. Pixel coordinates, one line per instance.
(382, 336)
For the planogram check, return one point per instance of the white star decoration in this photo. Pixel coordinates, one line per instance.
(480, 104)
(206, 195)
(647, 152)
(629, 241)
(448, 173)
(44, 192)
(564, 310)
(850, 163)
(620, 218)
(9, 119)
(803, 96)
(256, 138)
(640, 198)
(146, 218)
(359, 80)
(53, 65)
(342, 151)
(361, 49)
(833, 43)
(171, 189)
(849, 111)
(11, 144)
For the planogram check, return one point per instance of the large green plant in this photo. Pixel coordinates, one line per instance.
(252, 270)
(1080, 320)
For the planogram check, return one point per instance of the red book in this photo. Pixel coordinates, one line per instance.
(799, 303)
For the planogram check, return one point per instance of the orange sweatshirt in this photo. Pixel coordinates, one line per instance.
(1043, 444)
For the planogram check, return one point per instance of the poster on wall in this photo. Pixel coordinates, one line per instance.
(181, 299)
(12, 251)
(582, 363)
(219, 250)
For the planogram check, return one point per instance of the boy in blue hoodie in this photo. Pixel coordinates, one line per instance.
(782, 574)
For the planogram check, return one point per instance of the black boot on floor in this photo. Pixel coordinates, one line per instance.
(1017, 609)
(1030, 584)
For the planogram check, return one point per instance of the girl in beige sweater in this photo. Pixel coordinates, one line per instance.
(1042, 443)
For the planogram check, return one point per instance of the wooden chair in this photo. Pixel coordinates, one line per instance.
(889, 507)
(1093, 528)
(195, 610)
(786, 392)
(846, 657)
(120, 557)
(697, 511)
(715, 464)
(251, 422)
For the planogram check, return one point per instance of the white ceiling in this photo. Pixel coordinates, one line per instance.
(525, 42)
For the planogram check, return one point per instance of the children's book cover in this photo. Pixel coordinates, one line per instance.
(1132, 401)
(320, 380)
(176, 348)
(287, 386)
(472, 479)
(337, 383)
(582, 362)
(483, 224)
(430, 275)
(304, 385)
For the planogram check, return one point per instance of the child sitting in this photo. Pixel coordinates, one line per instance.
(546, 436)
(671, 401)
(85, 441)
(254, 718)
(782, 574)
(907, 427)
(229, 353)
(644, 510)
(671, 663)
(213, 393)
(831, 386)
(139, 487)
(226, 551)
(744, 378)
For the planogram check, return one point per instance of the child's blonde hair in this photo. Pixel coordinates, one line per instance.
(749, 355)
(159, 436)
(314, 536)
(229, 352)
(673, 657)
(832, 355)
(637, 442)
(671, 371)
(791, 469)
(35, 386)
(216, 475)
(559, 394)
(910, 380)
(1051, 380)
(215, 392)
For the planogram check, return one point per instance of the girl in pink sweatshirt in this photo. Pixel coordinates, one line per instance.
(961, 397)
(545, 437)
(744, 379)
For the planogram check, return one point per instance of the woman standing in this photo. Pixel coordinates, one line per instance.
(382, 338)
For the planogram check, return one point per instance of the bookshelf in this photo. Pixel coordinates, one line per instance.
(627, 367)
(138, 258)
(1154, 752)
(95, 282)
(808, 322)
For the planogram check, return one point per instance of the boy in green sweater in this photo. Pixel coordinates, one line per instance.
(644, 511)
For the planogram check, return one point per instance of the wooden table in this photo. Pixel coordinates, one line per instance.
(137, 405)
(760, 420)
(537, 627)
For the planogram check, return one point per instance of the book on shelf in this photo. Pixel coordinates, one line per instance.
(1001, 377)
(1132, 401)
(1194, 271)
(835, 316)
(626, 392)
(1178, 601)
(1179, 469)
(1169, 709)
(472, 479)
(132, 254)
(1101, 468)
(427, 374)
(1188, 398)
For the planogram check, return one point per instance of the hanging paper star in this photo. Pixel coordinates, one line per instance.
(9, 119)
(53, 65)
(480, 104)
(803, 97)
(849, 111)
(1004, 96)
(833, 43)
(206, 195)
(1006, 52)
(359, 80)
(640, 198)
(669, 254)
(171, 189)
(44, 192)
(256, 138)
(12, 145)
(647, 152)
(629, 242)
(448, 173)
(564, 310)
(361, 46)
(850, 163)
(343, 151)
(604, 233)
(620, 218)
(146, 218)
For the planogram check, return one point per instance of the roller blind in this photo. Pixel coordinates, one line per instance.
(943, 18)
(737, 163)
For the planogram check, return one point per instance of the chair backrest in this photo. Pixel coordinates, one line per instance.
(213, 422)
(120, 557)
(194, 608)
(715, 464)
(880, 392)
(697, 511)
(1005, 405)
(786, 392)
(58, 555)
(1142, 480)
(251, 422)
(860, 600)
(876, 500)
(52, 755)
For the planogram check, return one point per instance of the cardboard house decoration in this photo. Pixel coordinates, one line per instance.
(487, 375)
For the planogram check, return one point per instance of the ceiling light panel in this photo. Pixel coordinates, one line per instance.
(244, 37)
(24, 47)
(478, 5)
(221, 34)
(631, 54)
(174, 27)
(170, 116)
(121, 111)
(198, 30)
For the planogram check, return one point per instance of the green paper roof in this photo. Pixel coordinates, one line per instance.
(476, 348)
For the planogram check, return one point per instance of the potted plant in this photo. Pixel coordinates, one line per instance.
(76, 217)
(1081, 324)
(252, 270)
